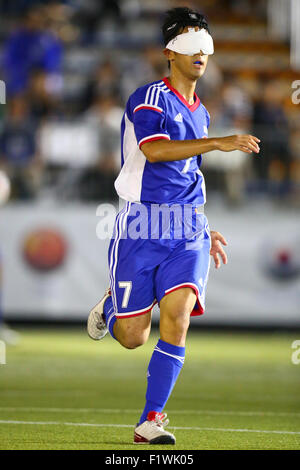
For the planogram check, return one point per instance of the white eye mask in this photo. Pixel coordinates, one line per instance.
(192, 43)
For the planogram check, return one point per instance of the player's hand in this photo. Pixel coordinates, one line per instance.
(245, 143)
(217, 249)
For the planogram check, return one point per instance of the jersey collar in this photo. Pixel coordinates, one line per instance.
(192, 107)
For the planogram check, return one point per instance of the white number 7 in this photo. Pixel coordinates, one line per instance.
(127, 285)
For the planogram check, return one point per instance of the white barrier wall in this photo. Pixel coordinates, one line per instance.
(259, 286)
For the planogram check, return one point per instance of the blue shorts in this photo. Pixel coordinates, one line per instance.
(148, 258)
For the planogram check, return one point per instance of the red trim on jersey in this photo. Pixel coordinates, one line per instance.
(195, 312)
(192, 107)
(151, 139)
(148, 107)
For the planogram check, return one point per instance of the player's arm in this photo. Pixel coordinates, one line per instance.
(169, 150)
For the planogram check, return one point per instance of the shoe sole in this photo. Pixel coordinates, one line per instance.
(165, 440)
(94, 318)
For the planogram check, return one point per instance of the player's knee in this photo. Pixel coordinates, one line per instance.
(180, 314)
(177, 307)
(182, 322)
(131, 343)
(132, 333)
(134, 341)
(174, 328)
(178, 320)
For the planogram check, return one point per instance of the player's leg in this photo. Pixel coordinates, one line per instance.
(168, 356)
(125, 309)
(166, 362)
(180, 290)
(175, 312)
(132, 332)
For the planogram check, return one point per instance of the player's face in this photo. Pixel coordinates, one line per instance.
(192, 67)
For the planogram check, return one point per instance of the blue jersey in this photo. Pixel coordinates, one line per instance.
(158, 111)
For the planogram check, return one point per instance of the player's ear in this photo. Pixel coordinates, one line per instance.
(169, 54)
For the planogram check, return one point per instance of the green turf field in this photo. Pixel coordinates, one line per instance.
(60, 390)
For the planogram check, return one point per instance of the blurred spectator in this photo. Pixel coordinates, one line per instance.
(145, 67)
(105, 116)
(31, 46)
(109, 7)
(105, 81)
(18, 153)
(156, 61)
(58, 19)
(236, 103)
(248, 8)
(271, 125)
(231, 113)
(42, 103)
(211, 81)
(124, 36)
(93, 15)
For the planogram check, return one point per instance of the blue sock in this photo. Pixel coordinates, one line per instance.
(109, 314)
(164, 367)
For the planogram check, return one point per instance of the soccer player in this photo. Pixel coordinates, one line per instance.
(163, 254)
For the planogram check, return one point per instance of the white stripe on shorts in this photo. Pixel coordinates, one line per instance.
(121, 225)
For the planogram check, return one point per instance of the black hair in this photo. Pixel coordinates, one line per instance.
(178, 18)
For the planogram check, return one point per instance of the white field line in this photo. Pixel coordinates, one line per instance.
(183, 428)
(135, 411)
(238, 396)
